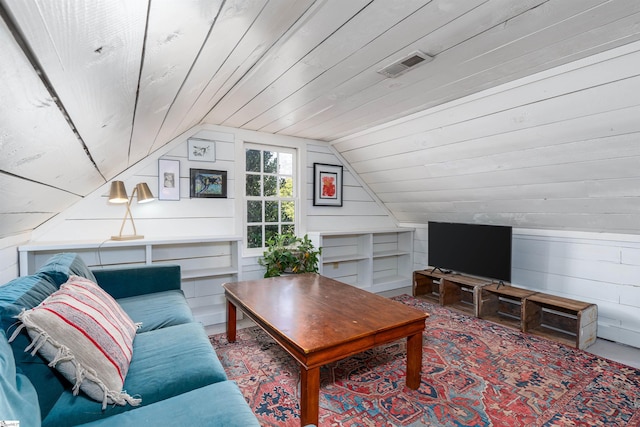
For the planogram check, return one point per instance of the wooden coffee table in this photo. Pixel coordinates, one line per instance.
(320, 320)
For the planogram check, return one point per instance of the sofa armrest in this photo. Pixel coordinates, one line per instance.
(123, 282)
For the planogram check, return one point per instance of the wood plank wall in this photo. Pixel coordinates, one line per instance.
(9, 268)
(557, 150)
(94, 219)
(360, 209)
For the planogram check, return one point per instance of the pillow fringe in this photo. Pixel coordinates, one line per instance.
(20, 327)
(65, 355)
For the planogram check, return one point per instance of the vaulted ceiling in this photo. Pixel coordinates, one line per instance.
(90, 87)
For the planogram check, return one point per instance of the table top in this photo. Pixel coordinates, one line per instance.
(315, 313)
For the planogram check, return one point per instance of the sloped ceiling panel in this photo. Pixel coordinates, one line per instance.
(91, 52)
(36, 141)
(176, 30)
(99, 84)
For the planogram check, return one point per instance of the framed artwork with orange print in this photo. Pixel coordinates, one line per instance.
(327, 185)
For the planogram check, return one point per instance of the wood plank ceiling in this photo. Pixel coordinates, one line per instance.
(90, 87)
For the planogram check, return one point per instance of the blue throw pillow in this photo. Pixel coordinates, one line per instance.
(63, 265)
(18, 397)
(20, 294)
(23, 293)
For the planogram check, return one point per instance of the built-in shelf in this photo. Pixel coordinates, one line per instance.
(375, 260)
(205, 264)
(343, 258)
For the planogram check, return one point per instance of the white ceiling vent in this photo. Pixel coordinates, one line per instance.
(405, 64)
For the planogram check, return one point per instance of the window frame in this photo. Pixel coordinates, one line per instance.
(299, 191)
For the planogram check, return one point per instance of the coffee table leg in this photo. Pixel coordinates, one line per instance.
(231, 322)
(414, 360)
(309, 395)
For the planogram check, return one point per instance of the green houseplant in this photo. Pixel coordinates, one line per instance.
(288, 253)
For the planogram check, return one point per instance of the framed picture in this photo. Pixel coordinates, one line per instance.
(327, 185)
(168, 179)
(201, 150)
(208, 183)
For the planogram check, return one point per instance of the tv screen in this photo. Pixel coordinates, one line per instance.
(474, 249)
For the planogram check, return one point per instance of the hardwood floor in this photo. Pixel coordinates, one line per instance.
(619, 352)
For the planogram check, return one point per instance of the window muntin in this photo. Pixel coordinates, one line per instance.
(270, 193)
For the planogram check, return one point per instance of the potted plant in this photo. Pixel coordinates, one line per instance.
(288, 253)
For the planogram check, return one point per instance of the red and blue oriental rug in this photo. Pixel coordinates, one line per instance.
(474, 373)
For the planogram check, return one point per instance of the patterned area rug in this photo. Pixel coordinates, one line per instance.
(475, 373)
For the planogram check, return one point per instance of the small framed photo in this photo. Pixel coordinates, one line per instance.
(168, 179)
(208, 183)
(201, 150)
(327, 185)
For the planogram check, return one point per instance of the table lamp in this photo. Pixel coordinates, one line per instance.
(118, 194)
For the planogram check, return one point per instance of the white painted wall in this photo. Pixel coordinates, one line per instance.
(94, 219)
(360, 209)
(603, 269)
(558, 149)
(9, 268)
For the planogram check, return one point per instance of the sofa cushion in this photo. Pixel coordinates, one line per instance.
(23, 293)
(20, 294)
(18, 397)
(220, 404)
(86, 336)
(166, 363)
(124, 282)
(157, 310)
(63, 265)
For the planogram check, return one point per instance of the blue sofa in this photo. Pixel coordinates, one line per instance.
(174, 368)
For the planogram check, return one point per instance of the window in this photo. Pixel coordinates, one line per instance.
(270, 193)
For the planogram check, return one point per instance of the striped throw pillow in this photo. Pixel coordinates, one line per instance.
(84, 333)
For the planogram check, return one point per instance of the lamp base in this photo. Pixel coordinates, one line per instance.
(128, 237)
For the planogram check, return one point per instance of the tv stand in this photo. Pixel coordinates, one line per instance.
(563, 320)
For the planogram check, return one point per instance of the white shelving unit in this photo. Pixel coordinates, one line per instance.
(205, 263)
(375, 260)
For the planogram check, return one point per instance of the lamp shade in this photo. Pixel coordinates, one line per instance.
(118, 194)
(144, 193)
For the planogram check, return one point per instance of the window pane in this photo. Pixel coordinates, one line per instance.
(271, 211)
(286, 187)
(254, 236)
(270, 186)
(270, 191)
(254, 211)
(286, 164)
(288, 211)
(270, 231)
(288, 228)
(270, 162)
(252, 159)
(253, 185)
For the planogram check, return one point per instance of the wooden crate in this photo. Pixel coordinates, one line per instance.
(461, 293)
(426, 285)
(503, 304)
(572, 322)
(454, 290)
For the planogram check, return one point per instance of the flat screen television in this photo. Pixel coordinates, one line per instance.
(474, 249)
